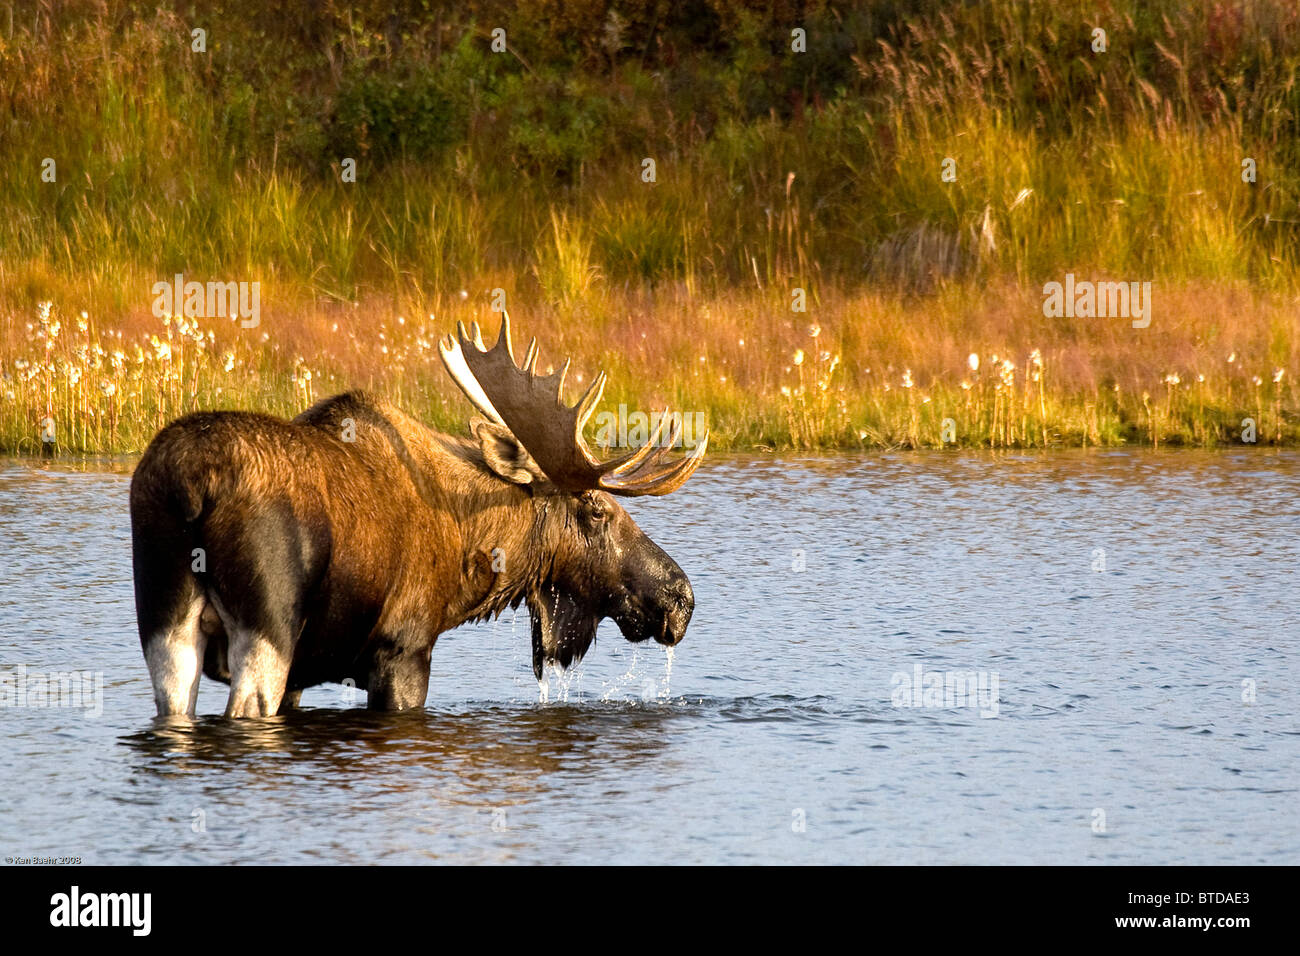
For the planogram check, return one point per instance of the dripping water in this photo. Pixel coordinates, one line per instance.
(666, 691)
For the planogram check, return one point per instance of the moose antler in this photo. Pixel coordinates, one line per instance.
(530, 405)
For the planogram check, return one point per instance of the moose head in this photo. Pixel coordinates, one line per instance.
(596, 562)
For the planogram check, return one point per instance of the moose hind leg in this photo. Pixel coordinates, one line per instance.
(261, 583)
(259, 671)
(174, 656)
(258, 674)
(258, 653)
(169, 604)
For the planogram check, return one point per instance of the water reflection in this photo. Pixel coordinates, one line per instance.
(484, 741)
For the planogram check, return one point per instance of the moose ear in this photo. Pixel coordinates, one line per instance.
(503, 453)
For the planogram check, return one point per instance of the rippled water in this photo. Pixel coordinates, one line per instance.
(1124, 728)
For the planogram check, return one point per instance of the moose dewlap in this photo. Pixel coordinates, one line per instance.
(275, 555)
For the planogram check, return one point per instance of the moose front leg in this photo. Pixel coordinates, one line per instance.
(399, 678)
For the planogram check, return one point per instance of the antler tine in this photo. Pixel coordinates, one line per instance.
(649, 464)
(558, 378)
(630, 463)
(505, 336)
(587, 404)
(649, 481)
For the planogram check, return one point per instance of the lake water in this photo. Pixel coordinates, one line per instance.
(1129, 619)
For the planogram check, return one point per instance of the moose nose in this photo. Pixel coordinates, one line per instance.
(679, 606)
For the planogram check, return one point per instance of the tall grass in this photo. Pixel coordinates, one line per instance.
(865, 370)
(775, 172)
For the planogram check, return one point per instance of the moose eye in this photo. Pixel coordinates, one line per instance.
(598, 512)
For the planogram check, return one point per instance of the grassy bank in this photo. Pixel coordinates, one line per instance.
(775, 171)
(867, 370)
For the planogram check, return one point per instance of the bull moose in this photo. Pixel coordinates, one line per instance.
(275, 555)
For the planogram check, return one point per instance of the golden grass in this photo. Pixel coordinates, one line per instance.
(864, 370)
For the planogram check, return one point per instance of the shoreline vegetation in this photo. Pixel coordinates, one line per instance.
(781, 179)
